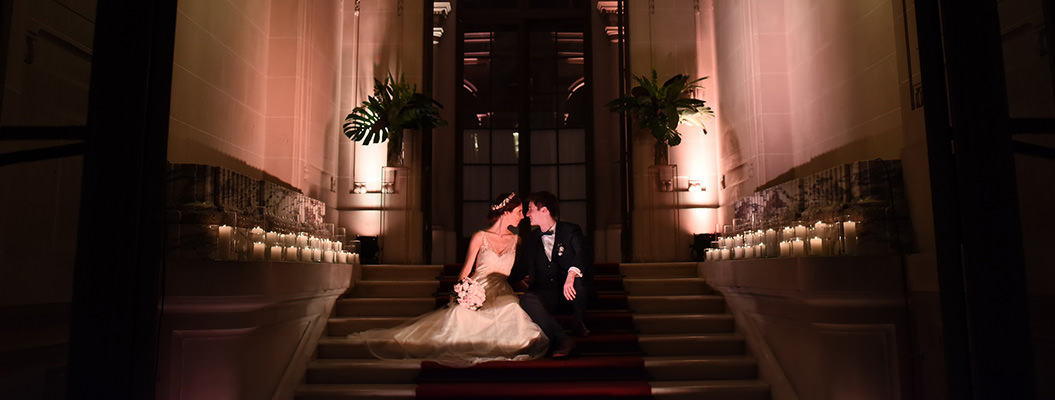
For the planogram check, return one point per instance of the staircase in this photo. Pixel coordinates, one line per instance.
(690, 346)
(678, 339)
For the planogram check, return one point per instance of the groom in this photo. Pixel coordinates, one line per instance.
(554, 258)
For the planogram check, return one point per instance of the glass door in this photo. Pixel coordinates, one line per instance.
(523, 118)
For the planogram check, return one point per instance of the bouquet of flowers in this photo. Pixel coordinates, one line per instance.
(469, 294)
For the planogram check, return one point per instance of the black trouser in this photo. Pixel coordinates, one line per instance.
(540, 304)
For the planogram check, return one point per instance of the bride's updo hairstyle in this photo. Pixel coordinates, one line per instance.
(502, 204)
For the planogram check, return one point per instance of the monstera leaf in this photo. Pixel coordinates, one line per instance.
(394, 106)
(659, 108)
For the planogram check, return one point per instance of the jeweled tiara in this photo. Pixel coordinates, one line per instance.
(504, 202)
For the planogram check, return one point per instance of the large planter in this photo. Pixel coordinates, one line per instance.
(397, 153)
(661, 153)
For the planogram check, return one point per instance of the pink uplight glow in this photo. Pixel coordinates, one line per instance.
(698, 220)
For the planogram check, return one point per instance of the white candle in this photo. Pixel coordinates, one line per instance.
(276, 253)
(305, 254)
(256, 234)
(798, 247)
(738, 252)
(327, 256)
(316, 254)
(785, 249)
(354, 259)
(789, 233)
(760, 251)
(338, 246)
(342, 257)
(291, 254)
(725, 253)
(302, 240)
(223, 243)
(850, 237)
(258, 250)
(816, 246)
(800, 232)
(749, 251)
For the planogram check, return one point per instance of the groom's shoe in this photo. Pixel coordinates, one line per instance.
(565, 349)
(580, 329)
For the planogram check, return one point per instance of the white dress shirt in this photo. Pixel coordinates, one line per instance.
(547, 245)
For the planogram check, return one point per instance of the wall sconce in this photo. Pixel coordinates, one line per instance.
(359, 187)
(388, 187)
(695, 185)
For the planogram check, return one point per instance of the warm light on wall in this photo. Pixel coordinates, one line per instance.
(698, 220)
(369, 161)
(695, 186)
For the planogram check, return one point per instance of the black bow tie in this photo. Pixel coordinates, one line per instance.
(549, 232)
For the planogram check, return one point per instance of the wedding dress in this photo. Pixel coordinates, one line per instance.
(459, 337)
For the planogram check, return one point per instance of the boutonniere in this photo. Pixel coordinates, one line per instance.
(560, 250)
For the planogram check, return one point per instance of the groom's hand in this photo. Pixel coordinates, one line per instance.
(569, 287)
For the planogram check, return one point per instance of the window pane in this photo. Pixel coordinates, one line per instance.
(572, 146)
(544, 178)
(573, 182)
(543, 147)
(543, 111)
(475, 146)
(475, 186)
(1027, 66)
(504, 120)
(474, 217)
(574, 211)
(48, 72)
(504, 179)
(506, 148)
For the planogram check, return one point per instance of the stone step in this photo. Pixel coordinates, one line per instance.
(339, 347)
(343, 326)
(660, 270)
(684, 323)
(601, 283)
(377, 307)
(357, 392)
(694, 304)
(713, 344)
(360, 371)
(395, 289)
(708, 389)
(667, 287)
(394, 272)
(661, 390)
(680, 368)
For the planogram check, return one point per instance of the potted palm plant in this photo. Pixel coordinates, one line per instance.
(394, 107)
(659, 108)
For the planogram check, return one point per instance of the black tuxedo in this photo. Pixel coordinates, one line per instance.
(545, 292)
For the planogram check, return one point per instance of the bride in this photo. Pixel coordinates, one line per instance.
(457, 335)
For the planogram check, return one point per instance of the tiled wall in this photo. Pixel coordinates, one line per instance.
(201, 196)
(868, 192)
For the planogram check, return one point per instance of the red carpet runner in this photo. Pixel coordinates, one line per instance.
(605, 365)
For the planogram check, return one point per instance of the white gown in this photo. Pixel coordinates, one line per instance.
(459, 337)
